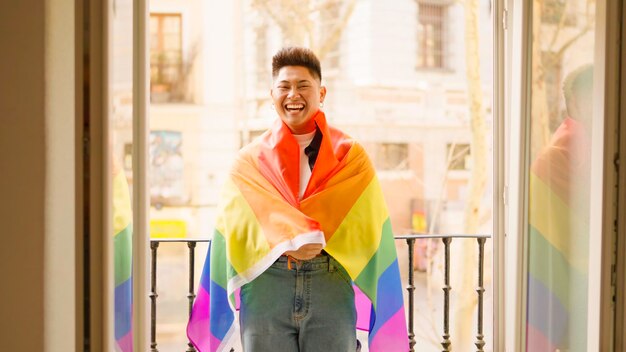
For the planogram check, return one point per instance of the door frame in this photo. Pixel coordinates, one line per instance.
(601, 319)
(94, 271)
(620, 256)
(518, 83)
(601, 322)
(500, 23)
(141, 201)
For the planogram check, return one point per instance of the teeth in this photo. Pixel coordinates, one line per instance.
(295, 106)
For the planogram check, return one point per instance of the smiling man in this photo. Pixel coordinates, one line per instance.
(303, 239)
(297, 92)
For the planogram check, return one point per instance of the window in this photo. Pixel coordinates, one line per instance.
(561, 266)
(165, 57)
(331, 22)
(262, 57)
(392, 156)
(128, 158)
(552, 77)
(167, 186)
(558, 12)
(459, 156)
(431, 35)
(248, 136)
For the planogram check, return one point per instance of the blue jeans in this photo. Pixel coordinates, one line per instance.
(309, 308)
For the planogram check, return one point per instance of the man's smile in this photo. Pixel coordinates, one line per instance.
(294, 107)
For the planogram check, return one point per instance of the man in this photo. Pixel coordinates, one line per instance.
(559, 226)
(303, 234)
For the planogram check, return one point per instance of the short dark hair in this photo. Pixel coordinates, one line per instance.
(296, 56)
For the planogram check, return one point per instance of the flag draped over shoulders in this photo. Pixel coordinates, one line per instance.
(261, 217)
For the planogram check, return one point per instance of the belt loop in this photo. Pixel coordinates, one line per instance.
(331, 264)
(289, 260)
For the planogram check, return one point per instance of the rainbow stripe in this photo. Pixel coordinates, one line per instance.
(261, 217)
(122, 246)
(558, 241)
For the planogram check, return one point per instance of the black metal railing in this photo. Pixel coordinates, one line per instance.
(191, 295)
(410, 240)
(447, 240)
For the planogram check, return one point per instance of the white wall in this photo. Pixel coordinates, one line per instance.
(36, 176)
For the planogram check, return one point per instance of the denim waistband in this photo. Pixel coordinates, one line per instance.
(322, 262)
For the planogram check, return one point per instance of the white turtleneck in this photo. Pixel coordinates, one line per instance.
(305, 171)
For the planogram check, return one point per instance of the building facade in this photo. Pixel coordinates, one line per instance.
(59, 104)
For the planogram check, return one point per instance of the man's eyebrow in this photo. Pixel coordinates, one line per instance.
(289, 82)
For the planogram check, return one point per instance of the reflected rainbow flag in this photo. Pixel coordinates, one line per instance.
(122, 247)
(558, 243)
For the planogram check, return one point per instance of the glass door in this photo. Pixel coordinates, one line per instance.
(120, 173)
(564, 134)
(418, 94)
(126, 248)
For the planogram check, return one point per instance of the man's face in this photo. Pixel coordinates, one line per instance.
(296, 95)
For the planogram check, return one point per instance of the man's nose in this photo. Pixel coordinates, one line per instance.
(293, 93)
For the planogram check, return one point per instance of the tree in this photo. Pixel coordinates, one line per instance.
(465, 304)
(545, 58)
(297, 21)
(317, 24)
(550, 19)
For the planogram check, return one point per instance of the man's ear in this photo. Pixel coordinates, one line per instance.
(322, 93)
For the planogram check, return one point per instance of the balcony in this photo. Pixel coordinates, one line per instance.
(410, 300)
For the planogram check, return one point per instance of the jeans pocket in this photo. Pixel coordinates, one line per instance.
(343, 274)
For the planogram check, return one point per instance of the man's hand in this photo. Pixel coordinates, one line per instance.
(306, 252)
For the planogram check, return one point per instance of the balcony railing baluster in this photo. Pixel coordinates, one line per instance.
(480, 343)
(153, 296)
(410, 239)
(191, 294)
(411, 288)
(446, 297)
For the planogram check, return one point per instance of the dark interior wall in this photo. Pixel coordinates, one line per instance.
(22, 174)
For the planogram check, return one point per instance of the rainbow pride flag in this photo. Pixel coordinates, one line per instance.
(261, 217)
(122, 247)
(558, 243)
